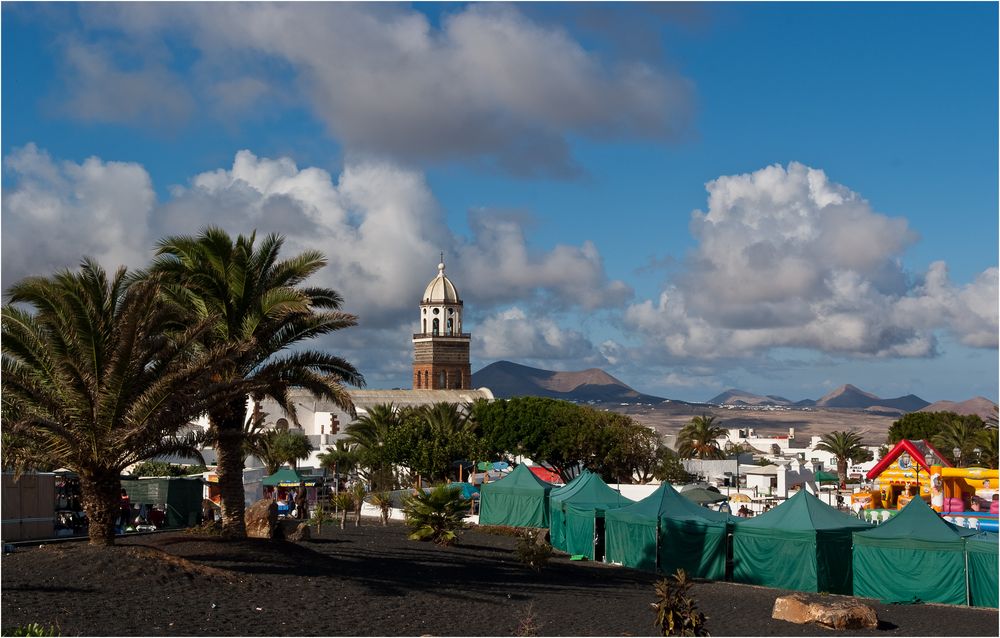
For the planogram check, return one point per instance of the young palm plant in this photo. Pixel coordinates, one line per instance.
(344, 502)
(383, 501)
(96, 379)
(437, 515)
(256, 300)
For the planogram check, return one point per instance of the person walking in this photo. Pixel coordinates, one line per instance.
(301, 504)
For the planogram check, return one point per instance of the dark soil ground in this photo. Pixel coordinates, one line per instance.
(372, 580)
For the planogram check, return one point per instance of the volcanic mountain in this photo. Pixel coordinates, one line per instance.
(741, 397)
(980, 406)
(848, 396)
(507, 379)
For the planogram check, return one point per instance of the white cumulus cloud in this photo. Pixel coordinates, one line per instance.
(788, 258)
(56, 212)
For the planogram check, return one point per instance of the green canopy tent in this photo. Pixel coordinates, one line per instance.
(703, 496)
(668, 531)
(984, 569)
(181, 496)
(915, 555)
(285, 477)
(576, 513)
(802, 544)
(826, 477)
(519, 499)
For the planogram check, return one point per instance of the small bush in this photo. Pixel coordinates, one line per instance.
(532, 553)
(528, 625)
(34, 629)
(676, 611)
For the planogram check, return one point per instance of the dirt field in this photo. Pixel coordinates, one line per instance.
(372, 580)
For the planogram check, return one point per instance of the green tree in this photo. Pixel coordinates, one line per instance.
(961, 434)
(669, 467)
(844, 446)
(429, 439)
(257, 301)
(95, 380)
(926, 425)
(697, 439)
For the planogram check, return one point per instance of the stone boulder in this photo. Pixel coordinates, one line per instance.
(262, 519)
(300, 533)
(843, 613)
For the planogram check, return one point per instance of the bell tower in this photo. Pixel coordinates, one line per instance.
(440, 348)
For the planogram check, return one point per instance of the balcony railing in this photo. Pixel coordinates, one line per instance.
(427, 335)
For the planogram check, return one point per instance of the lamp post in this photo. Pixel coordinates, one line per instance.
(957, 453)
(979, 453)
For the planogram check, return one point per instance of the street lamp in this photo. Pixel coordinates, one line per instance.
(957, 453)
(978, 452)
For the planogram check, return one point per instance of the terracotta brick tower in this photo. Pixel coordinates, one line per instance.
(441, 349)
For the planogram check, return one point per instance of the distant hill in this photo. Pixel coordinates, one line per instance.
(507, 379)
(980, 406)
(741, 397)
(846, 396)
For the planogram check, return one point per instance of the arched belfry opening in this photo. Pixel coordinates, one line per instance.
(441, 349)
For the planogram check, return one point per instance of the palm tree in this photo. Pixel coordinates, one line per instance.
(257, 301)
(342, 458)
(367, 437)
(960, 434)
(95, 379)
(988, 447)
(844, 446)
(274, 448)
(697, 439)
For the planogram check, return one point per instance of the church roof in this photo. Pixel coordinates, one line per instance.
(440, 289)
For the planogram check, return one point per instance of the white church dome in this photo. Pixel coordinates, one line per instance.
(441, 290)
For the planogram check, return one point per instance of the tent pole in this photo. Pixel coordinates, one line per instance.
(965, 553)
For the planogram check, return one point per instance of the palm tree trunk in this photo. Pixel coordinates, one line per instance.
(229, 453)
(842, 471)
(102, 502)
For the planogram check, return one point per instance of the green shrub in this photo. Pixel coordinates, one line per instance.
(676, 611)
(437, 515)
(34, 629)
(531, 552)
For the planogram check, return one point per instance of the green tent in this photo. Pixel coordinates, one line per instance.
(915, 555)
(519, 499)
(826, 477)
(984, 568)
(703, 496)
(802, 544)
(666, 529)
(182, 497)
(287, 477)
(574, 512)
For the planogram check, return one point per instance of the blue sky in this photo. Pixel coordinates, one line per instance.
(778, 197)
